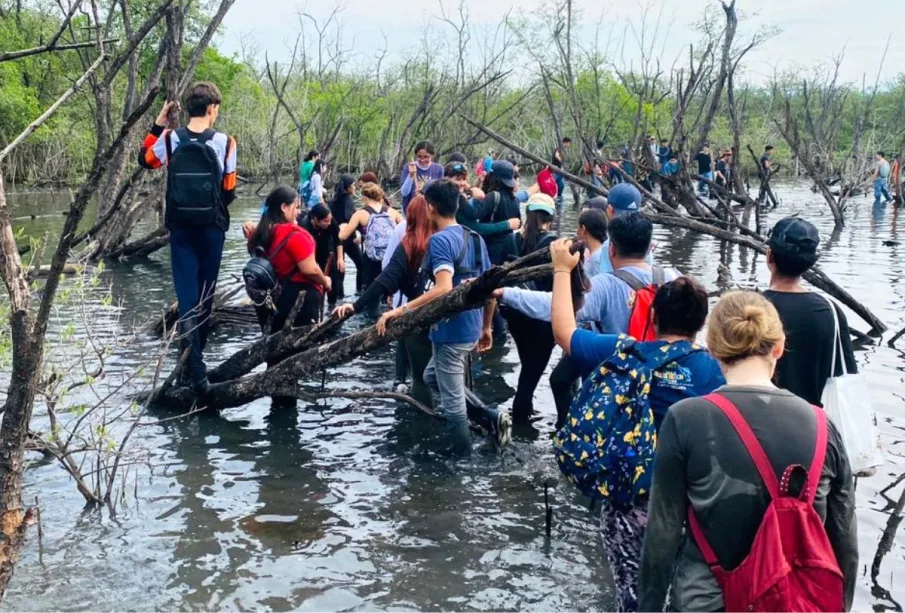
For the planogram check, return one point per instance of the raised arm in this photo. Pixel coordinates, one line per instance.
(562, 312)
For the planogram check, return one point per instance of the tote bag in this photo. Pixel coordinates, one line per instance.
(846, 400)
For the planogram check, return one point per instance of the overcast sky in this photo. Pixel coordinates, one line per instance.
(810, 31)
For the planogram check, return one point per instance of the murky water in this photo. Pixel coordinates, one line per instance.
(344, 506)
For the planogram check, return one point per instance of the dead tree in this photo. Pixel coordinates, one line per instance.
(732, 231)
(121, 206)
(28, 325)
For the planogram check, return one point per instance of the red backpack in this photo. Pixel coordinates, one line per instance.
(791, 565)
(641, 321)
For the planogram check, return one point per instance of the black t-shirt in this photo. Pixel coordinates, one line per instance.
(342, 208)
(705, 163)
(325, 240)
(808, 324)
(553, 160)
(701, 462)
(396, 276)
(764, 159)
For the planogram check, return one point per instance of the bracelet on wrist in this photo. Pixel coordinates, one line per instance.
(559, 270)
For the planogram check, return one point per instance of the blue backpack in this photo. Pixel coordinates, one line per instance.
(607, 445)
(305, 191)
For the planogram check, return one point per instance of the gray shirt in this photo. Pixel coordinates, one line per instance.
(701, 461)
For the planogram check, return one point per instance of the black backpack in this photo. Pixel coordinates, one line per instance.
(261, 282)
(194, 182)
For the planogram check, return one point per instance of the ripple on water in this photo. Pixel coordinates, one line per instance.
(345, 505)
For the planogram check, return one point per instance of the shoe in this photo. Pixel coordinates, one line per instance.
(400, 387)
(500, 426)
(202, 386)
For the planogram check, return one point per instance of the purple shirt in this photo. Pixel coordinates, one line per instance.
(423, 175)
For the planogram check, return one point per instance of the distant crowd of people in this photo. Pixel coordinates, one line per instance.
(710, 463)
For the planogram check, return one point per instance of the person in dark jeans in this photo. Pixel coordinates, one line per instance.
(196, 245)
(705, 170)
(558, 159)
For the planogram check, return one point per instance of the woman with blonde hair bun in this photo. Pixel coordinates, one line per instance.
(704, 471)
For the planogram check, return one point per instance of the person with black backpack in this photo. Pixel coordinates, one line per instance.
(201, 183)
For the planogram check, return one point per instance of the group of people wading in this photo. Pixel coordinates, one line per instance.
(721, 483)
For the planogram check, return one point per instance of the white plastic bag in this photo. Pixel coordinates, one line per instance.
(846, 400)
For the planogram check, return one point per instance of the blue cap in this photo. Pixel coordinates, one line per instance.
(624, 198)
(505, 172)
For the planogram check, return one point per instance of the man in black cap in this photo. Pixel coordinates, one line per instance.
(806, 316)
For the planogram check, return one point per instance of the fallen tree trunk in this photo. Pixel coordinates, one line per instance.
(170, 316)
(669, 216)
(815, 276)
(283, 379)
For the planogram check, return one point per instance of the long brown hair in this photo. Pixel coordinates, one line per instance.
(418, 231)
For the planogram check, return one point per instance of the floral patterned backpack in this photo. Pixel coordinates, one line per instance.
(607, 445)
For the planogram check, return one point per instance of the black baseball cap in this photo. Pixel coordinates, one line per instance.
(505, 172)
(794, 236)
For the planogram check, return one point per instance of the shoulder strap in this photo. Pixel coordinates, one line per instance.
(819, 455)
(167, 139)
(749, 440)
(209, 134)
(659, 276)
(282, 244)
(701, 540)
(631, 280)
(496, 203)
(384, 208)
(183, 134)
(837, 341)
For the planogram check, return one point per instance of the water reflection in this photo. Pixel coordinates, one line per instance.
(346, 504)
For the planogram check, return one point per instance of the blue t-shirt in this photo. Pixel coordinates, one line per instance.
(606, 265)
(696, 374)
(443, 252)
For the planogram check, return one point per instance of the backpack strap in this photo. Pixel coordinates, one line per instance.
(282, 244)
(659, 275)
(761, 462)
(475, 243)
(701, 540)
(819, 455)
(168, 143)
(384, 209)
(754, 448)
(631, 280)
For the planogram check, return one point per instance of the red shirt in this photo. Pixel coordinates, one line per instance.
(298, 248)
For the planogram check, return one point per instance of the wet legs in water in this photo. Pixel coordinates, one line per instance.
(445, 375)
(563, 382)
(622, 533)
(196, 257)
(534, 342)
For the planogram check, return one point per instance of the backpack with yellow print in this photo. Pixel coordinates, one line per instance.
(607, 445)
